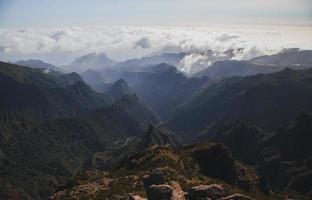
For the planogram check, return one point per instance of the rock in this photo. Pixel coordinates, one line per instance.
(156, 177)
(237, 197)
(245, 184)
(159, 192)
(177, 192)
(309, 196)
(206, 191)
(136, 197)
(264, 186)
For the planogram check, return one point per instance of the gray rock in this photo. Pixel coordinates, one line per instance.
(156, 177)
(159, 192)
(237, 197)
(213, 191)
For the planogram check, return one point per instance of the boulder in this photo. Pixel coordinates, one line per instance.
(264, 186)
(213, 191)
(237, 197)
(136, 197)
(177, 192)
(159, 192)
(156, 177)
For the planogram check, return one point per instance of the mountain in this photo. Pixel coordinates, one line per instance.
(287, 57)
(206, 170)
(46, 95)
(119, 89)
(285, 157)
(37, 156)
(194, 62)
(229, 68)
(147, 61)
(163, 88)
(282, 156)
(291, 58)
(90, 61)
(135, 108)
(267, 101)
(157, 137)
(36, 64)
(243, 139)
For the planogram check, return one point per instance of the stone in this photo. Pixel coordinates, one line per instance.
(213, 191)
(237, 197)
(264, 186)
(156, 177)
(159, 192)
(177, 192)
(136, 197)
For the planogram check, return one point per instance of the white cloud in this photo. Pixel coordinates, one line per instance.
(60, 45)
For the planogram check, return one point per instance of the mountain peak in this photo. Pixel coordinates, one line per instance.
(119, 89)
(91, 61)
(157, 137)
(34, 63)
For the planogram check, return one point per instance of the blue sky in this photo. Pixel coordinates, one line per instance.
(55, 13)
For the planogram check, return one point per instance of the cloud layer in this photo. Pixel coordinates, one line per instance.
(60, 45)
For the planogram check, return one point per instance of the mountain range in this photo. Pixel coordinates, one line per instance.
(146, 129)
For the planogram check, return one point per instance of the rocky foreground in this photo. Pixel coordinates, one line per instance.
(157, 188)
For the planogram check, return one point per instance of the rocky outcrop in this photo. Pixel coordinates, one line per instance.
(237, 197)
(206, 191)
(156, 192)
(156, 177)
(157, 137)
(136, 197)
(158, 189)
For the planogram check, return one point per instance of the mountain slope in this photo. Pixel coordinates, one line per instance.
(163, 88)
(36, 64)
(46, 95)
(281, 156)
(267, 101)
(291, 58)
(38, 156)
(119, 89)
(287, 57)
(229, 68)
(136, 108)
(90, 61)
(157, 137)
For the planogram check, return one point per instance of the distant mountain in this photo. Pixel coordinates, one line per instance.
(157, 137)
(36, 64)
(287, 57)
(119, 89)
(267, 101)
(46, 95)
(229, 68)
(139, 63)
(163, 88)
(90, 61)
(194, 62)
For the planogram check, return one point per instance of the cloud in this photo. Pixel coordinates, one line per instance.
(59, 45)
(143, 43)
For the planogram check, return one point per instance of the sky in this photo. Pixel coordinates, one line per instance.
(58, 31)
(56, 13)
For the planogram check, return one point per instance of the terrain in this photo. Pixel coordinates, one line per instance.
(235, 130)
